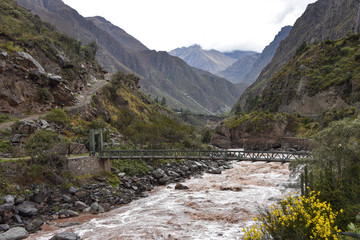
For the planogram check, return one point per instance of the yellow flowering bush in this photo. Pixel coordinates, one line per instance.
(296, 218)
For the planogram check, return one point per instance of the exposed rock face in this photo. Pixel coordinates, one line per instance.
(276, 137)
(324, 19)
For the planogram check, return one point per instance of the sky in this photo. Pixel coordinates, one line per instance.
(224, 25)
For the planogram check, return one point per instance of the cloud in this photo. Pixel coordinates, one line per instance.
(220, 24)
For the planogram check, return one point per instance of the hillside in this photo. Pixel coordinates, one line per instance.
(155, 78)
(322, 78)
(266, 56)
(40, 68)
(324, 19)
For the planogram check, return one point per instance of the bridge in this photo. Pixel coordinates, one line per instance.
(239, 155)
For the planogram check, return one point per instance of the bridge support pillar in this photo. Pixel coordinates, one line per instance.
(104, 164)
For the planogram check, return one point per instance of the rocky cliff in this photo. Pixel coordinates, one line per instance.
(39, 68)
(324, 19)
(155, 78)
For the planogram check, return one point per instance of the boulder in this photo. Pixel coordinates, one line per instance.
(180, 186)
(27, 209)
(67, 224)
(66, 236)
(34, 225)
(9, 199)
(96, 208)
(67, 213)
(17, 219)
(164, 180)
(16, 233)
(7, 211)
(158, 173)
(4, 227)
(80, 206)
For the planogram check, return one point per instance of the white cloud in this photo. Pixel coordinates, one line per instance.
(219, 24)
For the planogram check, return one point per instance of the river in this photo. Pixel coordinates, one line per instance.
(214, 207)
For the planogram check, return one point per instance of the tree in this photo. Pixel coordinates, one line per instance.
(163, 101)
(334, 170)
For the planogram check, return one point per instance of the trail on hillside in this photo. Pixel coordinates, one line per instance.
(82, 100)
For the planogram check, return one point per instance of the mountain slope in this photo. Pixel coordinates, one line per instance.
(209, 60)
(155, 79)
(40, 68)
(119, 34)
(266, 55)
(238, 54)
(323, 78)
(324, 19)
(236, 72)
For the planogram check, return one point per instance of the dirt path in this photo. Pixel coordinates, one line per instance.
(82, 100)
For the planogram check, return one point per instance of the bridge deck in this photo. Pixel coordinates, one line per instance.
(204, 155)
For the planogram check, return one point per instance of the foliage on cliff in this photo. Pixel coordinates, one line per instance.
(313, 70)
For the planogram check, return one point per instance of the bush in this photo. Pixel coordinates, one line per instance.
(130, 167)
(44, 94)
(335, 168)
(296, 218)
(47, 147)
(57, 116)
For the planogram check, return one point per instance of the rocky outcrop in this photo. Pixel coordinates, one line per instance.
(275, 136)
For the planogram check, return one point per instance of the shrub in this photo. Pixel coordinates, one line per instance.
(44, 94)
(130, 167)
(57, 116)
(47, 147)
(296, 218)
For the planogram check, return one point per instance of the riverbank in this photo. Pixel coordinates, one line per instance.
(40, 203)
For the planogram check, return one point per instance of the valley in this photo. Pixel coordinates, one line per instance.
(77, 92)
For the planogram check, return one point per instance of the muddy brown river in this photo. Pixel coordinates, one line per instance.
(214, 207)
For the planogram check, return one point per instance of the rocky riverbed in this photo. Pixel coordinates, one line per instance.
(27, 213)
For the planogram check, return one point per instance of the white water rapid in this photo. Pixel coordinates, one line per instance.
(214, 207)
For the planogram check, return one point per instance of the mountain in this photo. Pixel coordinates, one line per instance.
(266, 55)
(238, 54)
(119, 34)
(324, 19)
(191, 89)
(209, 60)
(237, 71)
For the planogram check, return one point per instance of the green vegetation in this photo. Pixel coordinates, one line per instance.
(57, 116)
(47, 147)
(296, 218)
(44, 94)
(317, 68)
(130, 167)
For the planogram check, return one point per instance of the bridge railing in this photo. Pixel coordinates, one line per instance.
(205, 154)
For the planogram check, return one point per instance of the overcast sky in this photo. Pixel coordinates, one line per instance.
(223, 25)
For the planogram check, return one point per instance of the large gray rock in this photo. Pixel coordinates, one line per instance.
(27, 208)
(66, 236)
(9, 199)
(34, 225)
(158, 173)
(79, 206)
(96, 208)
(14, 234)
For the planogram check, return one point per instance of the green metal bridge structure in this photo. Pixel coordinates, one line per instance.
(97, 146)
